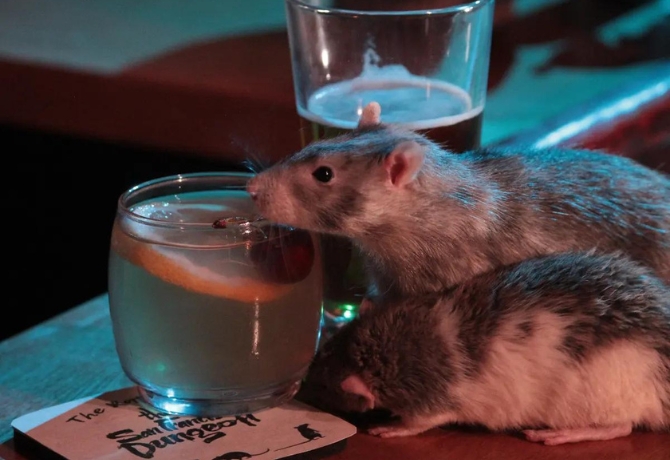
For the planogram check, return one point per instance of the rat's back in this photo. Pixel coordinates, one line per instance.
(570, 199)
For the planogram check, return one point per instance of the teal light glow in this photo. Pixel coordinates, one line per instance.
(174, 407)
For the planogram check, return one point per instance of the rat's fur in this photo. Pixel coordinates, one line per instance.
(464, 214)
(566, 341)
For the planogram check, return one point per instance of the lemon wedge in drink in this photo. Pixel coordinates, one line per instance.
(180, 271)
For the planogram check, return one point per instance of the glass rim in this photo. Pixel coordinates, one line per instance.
(464, 7)
(124, 209)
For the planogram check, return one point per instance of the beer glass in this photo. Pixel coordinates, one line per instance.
(427, 68)
(215, 311)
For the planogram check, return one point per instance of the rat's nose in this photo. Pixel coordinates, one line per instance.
(252, 189)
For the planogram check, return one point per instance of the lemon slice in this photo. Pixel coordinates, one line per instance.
(180, 271)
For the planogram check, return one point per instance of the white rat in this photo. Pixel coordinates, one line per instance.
(567, 348)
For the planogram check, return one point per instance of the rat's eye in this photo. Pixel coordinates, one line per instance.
(323, 174)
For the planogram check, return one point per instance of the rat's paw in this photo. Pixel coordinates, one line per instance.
(395, 430)
(556, 437)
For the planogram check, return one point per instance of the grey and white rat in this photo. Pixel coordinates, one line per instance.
(427, 219)
(568, 347)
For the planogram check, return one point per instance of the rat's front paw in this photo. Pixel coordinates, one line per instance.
(409, 426)
(394, 430)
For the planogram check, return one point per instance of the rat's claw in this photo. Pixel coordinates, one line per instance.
(556, 437)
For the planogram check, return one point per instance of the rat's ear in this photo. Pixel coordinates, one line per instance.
(355, 385)
(404, 163)
(371, 115)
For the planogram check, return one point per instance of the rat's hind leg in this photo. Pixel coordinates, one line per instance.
(411, 426)
(555, 437)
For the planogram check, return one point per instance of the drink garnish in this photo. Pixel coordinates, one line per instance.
(179, 270)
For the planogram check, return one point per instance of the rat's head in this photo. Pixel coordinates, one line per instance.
(338, 379)
(346, 184)
(389, 359)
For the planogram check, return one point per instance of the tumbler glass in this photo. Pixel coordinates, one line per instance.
(215, 311)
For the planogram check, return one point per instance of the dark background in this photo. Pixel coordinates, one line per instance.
(61, 193)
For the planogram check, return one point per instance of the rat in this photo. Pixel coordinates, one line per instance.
(565, 348)
(426, 219)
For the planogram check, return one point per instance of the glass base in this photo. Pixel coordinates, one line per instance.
(240, 404)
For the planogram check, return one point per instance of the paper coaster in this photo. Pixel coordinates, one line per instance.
(114, 426)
